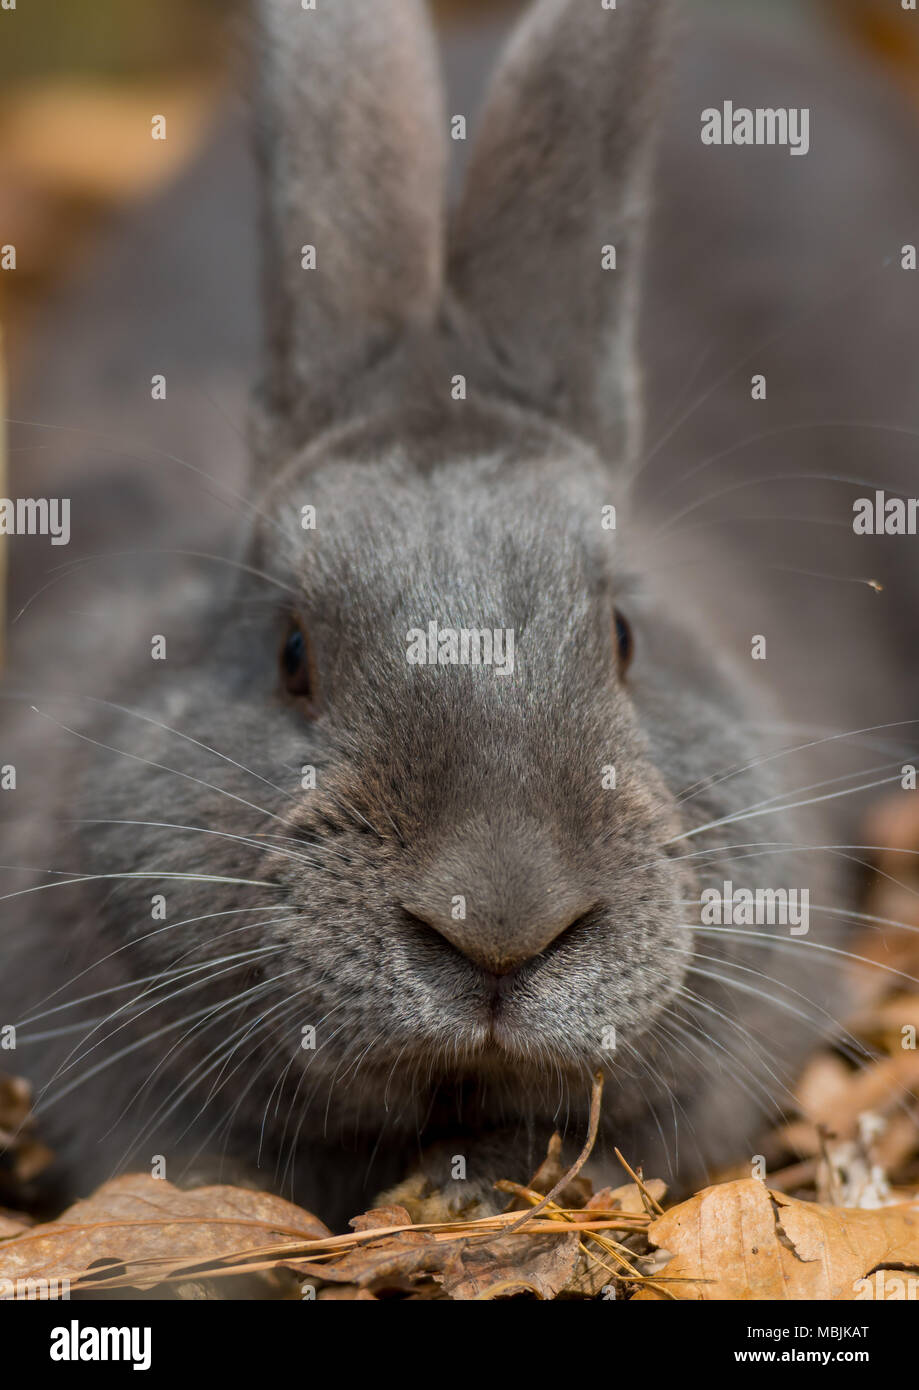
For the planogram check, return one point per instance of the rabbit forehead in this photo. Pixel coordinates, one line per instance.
(479, 524)
(390, 550)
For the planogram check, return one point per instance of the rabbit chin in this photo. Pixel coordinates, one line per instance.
(488, 1085)
(512, 1049)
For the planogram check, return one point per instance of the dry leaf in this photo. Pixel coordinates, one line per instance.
(346, 1293)
(468, 1267)
(540, 1264)
(552, 1168)
(823, 1084)
(395, 1258)
(742, 1241)
(11, 1225)
(137, 1218)
(627, 1199)
(378, 1217)
(550, 1172)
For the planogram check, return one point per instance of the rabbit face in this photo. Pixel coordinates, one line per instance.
(478, 880)
(438, 875)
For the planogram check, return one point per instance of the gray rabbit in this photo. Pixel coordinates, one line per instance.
(362, 852)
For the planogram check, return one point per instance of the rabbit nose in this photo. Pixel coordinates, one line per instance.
(500, 895)
(503, 943)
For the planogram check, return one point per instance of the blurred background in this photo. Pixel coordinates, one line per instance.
(78, 84)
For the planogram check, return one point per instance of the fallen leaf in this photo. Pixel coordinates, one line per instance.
(467, 1267)
(627, 1199)
(11, 1225)
(396, 1257)
(741, 1241)
(346, 1293)
(822, 1085)
(538, 1264)
(550, 1172)
(379, 1217)
(139, 1218)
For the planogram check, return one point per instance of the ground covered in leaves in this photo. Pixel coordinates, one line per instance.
(835, 1214)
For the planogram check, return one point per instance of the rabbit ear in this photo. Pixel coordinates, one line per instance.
(554, 195)
(349, 140)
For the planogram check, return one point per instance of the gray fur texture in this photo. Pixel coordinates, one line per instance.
(332, 907)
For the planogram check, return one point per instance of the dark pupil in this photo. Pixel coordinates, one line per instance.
(293, 653)
(623, 636)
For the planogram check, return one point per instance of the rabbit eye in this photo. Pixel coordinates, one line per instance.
(296, 663)
(625, 643)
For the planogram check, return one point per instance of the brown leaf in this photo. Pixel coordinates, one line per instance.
(393, 1258)
(878, 1089)
(379, 1217)
(552, 1168)
(550, 1172)
(824, 1082)
(540, 1264)
(467, 1267)
(742, 1241)
(348, 1293)
(11, 1225)
(137, 1217)
(595, 1271)
(627, 1198)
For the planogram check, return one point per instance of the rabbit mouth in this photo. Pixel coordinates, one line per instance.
(499, 1036)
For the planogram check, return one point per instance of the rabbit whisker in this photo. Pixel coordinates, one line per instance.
(164, 978)
(830, 300)
(781, 432)
(107, 444)
(766, 810)
(61, 572)
(132, 1047)
(220, 1054)
(736, 771)
(162, 767)
(135, 941)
